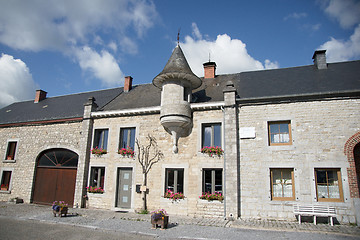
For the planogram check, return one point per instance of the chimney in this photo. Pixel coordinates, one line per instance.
(320, 59)
(128, 83)
(40, 95)
(209, 69)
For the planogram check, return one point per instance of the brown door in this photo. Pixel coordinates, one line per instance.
(55, 177)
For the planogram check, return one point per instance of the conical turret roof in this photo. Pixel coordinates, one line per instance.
(177, 68)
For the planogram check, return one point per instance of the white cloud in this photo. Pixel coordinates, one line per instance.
(271, 65)
(295, 16)
(230, 55)
(103, 66)
(196, 32)
(343, 50)
(67, 25)
(347, 12)
(16, 83)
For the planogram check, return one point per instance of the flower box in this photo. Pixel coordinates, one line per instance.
(60, 208)
(159, 217)
(98, 190)
(163, 222)
(213, 151)
(61, 211)
(126, 152)
(98, 151)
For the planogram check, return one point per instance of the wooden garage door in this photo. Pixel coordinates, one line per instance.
(55, 177)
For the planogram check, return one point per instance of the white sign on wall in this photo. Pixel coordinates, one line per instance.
(247, 132)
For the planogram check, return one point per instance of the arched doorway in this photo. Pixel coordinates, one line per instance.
(55, 176)
(357, 164)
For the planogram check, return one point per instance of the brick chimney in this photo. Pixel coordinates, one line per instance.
(128, 83)
(209, 69)
(40, 95)
(320, 59)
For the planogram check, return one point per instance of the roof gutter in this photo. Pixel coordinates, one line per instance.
(299, 97)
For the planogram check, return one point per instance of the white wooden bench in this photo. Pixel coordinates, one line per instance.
(315, 211)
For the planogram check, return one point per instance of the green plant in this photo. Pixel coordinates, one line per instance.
(143, 212)
(98, 151)
(126, 152)
(212, 196)
(158, 214)
(213, 151)
(173, 196)
(59, 205)
(95, 189)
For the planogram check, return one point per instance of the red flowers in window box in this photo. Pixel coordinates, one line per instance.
(126, 152)
(213, 151)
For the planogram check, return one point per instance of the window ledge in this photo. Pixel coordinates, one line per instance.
(5, 191)
(9, 161)
(210, 202)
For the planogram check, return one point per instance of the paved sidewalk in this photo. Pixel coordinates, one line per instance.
(109, 219)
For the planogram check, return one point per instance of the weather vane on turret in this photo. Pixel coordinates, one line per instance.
(178, 36)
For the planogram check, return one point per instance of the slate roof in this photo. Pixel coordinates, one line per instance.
(54, 108)
(343, 77)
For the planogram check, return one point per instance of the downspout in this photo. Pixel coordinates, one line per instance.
(224, 188)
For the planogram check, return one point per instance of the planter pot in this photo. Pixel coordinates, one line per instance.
(163, 222)
(62, 211)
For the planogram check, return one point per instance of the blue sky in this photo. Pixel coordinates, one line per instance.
(66, 47)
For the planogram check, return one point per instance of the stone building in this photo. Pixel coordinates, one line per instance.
(283, 136)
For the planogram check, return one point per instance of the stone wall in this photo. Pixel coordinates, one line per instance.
(31, 141)
(189, 157)
(320, 130)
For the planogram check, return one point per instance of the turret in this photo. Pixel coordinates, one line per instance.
(176, 82)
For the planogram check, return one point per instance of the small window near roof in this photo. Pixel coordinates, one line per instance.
(279, 133)
(11, 149)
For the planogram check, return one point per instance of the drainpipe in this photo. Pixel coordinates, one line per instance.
(224, 187)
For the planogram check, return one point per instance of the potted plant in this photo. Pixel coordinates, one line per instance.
(212, 196)
(211, 151)
(4, 187)
(173, 196)
(159, 217)
(126, 152)
(91, 189)
(98, 151)
(60, 207)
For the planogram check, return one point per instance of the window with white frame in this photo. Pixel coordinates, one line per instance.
(11, 150)
(127, 138)
(97, 177)
(282, 184)
(211, 135)
(212, 181)
(101, 138)
(279, 133)
(5, 180)
(174, 180)
(328, 185)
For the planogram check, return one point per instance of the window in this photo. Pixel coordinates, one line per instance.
(279, 133)
(127, 138)
(5, 180)
(211, 135)
(97, 177)
(174, 180)
(212, 180)
(282, 184)
(328, 185)
(11, 149)
(100, 138)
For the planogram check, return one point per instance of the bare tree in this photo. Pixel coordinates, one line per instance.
(147, 156)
